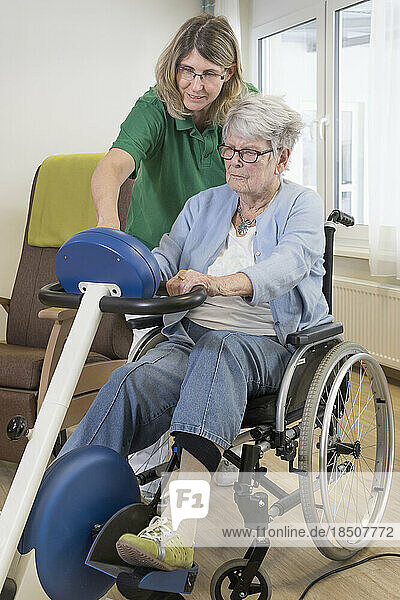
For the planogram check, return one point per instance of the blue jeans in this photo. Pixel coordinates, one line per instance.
(201, 390)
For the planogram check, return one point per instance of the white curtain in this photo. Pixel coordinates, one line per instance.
(230, 10)
(384, 139)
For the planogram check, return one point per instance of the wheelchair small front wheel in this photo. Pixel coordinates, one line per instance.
(346, 449)
(229, 574)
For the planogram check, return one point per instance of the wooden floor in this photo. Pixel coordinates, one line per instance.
(292, 569)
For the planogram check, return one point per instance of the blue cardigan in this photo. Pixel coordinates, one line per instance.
(288, 250)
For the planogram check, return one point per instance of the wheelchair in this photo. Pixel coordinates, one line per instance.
(333, 415)
(331, 421)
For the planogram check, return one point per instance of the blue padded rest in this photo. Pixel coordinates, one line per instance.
(104, 255)
(83, 488)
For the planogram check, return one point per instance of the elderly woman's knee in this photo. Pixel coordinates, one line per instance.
(219, 342)
(128, 376)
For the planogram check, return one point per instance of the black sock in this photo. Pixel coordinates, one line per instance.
(201, 448)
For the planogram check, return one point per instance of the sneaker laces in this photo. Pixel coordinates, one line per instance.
(159, 529)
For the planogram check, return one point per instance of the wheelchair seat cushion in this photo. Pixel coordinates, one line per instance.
(260, 410)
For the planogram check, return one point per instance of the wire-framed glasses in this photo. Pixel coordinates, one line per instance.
(207, 77)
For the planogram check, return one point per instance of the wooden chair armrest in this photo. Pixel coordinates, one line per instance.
(5, 303)
(63, 319)
(57, 314)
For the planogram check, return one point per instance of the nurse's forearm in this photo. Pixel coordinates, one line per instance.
(107, 179)
(105, 192)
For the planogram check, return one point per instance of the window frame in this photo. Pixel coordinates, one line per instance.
(354, 242)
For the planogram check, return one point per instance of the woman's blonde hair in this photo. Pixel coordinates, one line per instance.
(214, 39)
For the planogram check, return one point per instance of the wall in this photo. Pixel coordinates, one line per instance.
(263, 11)
(245, 16)
(70, 72)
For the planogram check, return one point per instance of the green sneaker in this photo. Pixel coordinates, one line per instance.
(157, 547)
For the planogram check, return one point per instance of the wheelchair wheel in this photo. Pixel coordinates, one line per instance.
(346, 449)
(229, 574)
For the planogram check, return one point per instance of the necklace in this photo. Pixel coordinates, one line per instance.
(245, 223)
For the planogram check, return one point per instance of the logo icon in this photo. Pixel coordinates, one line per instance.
(189, 499)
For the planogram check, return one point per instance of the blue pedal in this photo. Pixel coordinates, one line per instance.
(180, 581)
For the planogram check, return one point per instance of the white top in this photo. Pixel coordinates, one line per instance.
(232, 312)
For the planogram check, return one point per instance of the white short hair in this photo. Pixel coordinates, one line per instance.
(267, 117)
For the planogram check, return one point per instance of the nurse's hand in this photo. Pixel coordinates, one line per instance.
(185, 280)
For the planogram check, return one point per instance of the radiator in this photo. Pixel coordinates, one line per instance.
(370, 313)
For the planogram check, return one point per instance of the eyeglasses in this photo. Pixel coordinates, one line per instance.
(208, 77)
(245, 154)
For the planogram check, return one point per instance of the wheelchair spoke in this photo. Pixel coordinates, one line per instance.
(369, 430)
(371, 395)
(355, 502)
(144, 466)
(346, 413)
(358, 419)
(364, 458)
(360, 476)
(340, 479)
(343, 432)
(370, 445)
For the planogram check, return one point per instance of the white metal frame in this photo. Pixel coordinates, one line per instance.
(352, 242)
(313, 12)
(42, 437)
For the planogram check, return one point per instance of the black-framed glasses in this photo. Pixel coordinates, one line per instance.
(247, 155)
(208, 77)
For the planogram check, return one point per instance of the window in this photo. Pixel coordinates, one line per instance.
(318, 58)
(352, 34)
(288, 67)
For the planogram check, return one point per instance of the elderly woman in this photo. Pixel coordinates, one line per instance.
(256, 244)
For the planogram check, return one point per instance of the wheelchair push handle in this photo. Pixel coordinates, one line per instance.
(338, 216)
(53, 294)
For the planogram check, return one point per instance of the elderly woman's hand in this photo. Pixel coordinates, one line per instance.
(184, 281)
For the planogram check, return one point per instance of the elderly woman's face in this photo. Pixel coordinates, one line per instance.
(255, 178)
(198, 93)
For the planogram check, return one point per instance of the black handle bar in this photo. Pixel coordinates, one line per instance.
(54, 295)
(338, 216)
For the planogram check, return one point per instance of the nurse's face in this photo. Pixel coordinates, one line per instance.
(199, 92)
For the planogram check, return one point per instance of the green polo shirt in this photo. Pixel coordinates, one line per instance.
(174, 161)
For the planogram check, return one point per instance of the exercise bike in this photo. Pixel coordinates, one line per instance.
(58, 526)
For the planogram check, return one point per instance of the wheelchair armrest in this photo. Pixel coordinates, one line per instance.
(145, 321)
(314, 334)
